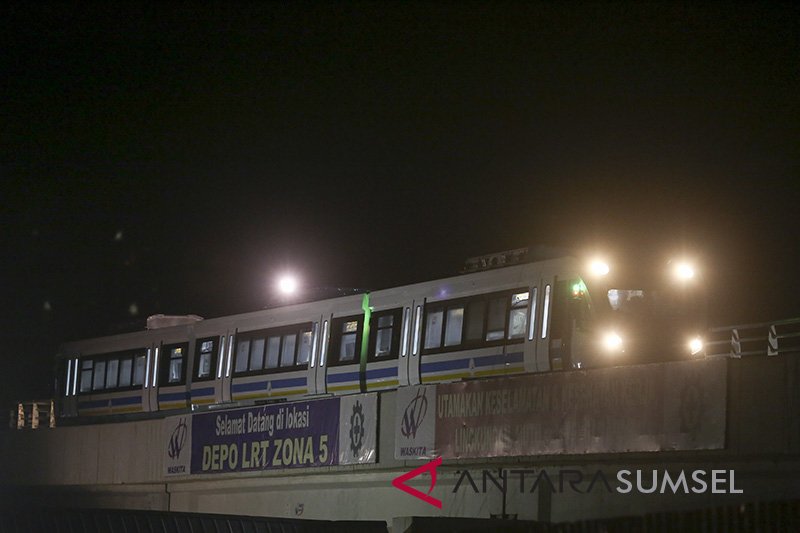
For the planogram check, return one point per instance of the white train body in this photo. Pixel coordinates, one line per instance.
(497, 322)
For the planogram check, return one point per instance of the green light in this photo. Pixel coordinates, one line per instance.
(578, 289)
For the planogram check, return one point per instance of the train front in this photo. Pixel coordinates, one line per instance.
(642, 313)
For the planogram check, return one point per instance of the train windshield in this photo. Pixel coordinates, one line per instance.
(649, 303)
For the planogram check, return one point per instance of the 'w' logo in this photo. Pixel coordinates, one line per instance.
(177, 440)
(414, 415)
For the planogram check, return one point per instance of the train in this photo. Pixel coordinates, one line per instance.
(502, 316)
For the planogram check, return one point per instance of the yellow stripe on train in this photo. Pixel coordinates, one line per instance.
(382, 384)
(476, 374)
(130, 409)
(172, 405)
(356, 386)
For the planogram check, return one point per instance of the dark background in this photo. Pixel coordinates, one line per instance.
(172, 159)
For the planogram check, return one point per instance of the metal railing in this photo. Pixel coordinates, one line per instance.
(766, 338)
(33, 415)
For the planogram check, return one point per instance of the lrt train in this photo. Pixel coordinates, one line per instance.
(502, 316)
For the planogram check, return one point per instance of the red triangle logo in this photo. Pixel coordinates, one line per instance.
(400, 482)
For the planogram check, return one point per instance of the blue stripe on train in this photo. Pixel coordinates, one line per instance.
(276, 384)
(371, 374)
(344, 376)
(172, 396)
(382, 373)
(128, 400)
(208, 391)
(486, 360)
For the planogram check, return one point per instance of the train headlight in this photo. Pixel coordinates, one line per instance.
(598, 268)
(696, 345)
(288, 284)
(612, 342)
(684, 271)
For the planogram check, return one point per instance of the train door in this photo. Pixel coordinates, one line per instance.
(542, 322)
(404, 372)
(170, 376)
(381, 368)
(316, 367)
(67, 389)
(563, 332)
(342, 361)
(225, 364)
(533, 325)
(415, 343)
(206, 386)
(150, 395)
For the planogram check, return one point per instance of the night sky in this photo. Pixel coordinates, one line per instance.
(173, 159)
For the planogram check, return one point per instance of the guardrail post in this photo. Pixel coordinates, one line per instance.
(736, 345)
(772, 341)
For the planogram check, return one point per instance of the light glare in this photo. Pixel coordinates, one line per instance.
(287, 284)
(598, 268)
(612, 341)
(684, 271)
(696, 345)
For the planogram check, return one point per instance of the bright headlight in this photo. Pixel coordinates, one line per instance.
(598, 268)
(696, 345)
(612, 342)
(684, 271)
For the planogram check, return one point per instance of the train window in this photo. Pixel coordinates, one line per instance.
(273, 351)
(433, 329)
(138, 369)
(347, 345)
(345, 340)
(175, 365)
(86, 375)
(476, 311)
(204, 360)
(287, 353)
(125, 367)
(242, 350)
(455, 322)
(112, 370)
(481, 320)
(383, 344)
(518, 315)
(304, 352)
(99, 375)
(384, 336)
(257, 354)
(496, 322)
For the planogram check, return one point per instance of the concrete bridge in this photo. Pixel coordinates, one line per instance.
(732, 424)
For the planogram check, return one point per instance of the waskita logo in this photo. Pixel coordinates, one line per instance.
(414, 414)
(177, 440)
(400, 482)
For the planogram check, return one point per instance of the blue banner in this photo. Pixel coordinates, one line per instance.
(287, 435)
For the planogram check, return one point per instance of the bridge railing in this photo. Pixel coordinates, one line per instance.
(765, 338)
(33, 414)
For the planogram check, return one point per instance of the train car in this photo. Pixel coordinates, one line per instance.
(523, 317)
